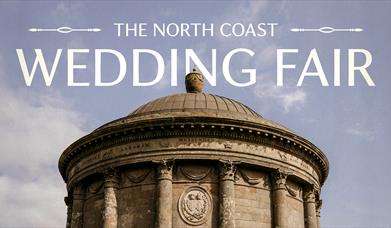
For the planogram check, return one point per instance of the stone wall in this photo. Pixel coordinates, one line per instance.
(136, 206)
(196, 197)
(137, 198)
(252, 207)
(200, 178)
(295, 204)
(93, 204)
(179, 217)
(253, 199)
(295, 212)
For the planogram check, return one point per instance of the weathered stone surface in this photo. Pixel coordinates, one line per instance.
(280, 212)
(184, 147)
(318, 207)
(77, 206)
(209, 183)
(227, 194)
(295, 212)
(195, 205)
(253, 207)
(93, 216)
(110, 214)
(164, 200)
(137, 206)
(68, 203)
(193, 160)
(194, 82)
(239, 196)
(310, 207)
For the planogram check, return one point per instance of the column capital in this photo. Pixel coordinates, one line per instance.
(318, 204)
(111, 178)
(228, 170)
(279, 177)
(164, 169)
(309, 193)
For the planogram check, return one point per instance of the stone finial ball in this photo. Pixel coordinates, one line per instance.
(194, 82)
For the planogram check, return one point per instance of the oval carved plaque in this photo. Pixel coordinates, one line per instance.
(194, 205)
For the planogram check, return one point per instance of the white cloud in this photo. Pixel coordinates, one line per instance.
(35, 128)
(360, 131)
(289, 98)
(34, 202)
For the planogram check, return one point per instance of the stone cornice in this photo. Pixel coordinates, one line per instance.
(109, 136)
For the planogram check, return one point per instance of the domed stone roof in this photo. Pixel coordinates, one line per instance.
(195, 102)
(194, 147)
(195, 105)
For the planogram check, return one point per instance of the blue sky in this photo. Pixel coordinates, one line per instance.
(348, 123)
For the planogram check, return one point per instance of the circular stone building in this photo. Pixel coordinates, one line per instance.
(193, 160)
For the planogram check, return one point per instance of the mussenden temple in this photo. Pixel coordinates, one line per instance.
(193, 160)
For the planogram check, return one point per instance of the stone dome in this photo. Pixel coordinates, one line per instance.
(193, 159)
(187, 110)
(196, 105)
(195, 102)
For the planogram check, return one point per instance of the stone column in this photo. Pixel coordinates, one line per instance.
(68, 202)
(310, 207)
(164, 201)
(318, 207)
(280, 214)
(110, 214)
(227, 195)
(77, 206)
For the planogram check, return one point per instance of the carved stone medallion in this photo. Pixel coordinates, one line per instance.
(194, 205)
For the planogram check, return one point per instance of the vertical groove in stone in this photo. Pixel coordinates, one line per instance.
(280, 215)
(233, 104)
(225, 102)
(164, 202)
(194, 97)
(215, 99)
(155, 104)
(184, 101)
(110, 214)
(227, 195)
(170, 101)
(206, 100)
(77, 206)
(240, 108)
